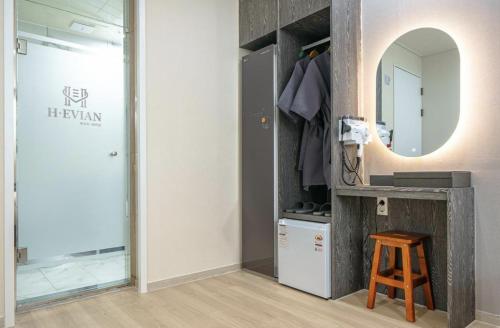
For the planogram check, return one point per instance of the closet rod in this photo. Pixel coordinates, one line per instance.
(317, 43)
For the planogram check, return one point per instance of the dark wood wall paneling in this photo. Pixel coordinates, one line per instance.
(294, 10)
(312, 27)
(259, 20)
(347, 228)
(258, 23)
(461, 260)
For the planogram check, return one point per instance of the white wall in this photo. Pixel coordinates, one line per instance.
(441, 99)
(399, 56)
(193, 136)
(474, 25)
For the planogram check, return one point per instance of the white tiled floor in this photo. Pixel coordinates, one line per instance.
(39, 279)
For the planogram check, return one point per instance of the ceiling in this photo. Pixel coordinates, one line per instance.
(105, 15)
(427, 41)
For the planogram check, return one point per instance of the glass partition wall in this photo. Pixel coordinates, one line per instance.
(72, 160)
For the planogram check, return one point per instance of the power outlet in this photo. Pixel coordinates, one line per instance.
(382, 206)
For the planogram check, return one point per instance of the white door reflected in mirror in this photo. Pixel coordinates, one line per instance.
(418, 92)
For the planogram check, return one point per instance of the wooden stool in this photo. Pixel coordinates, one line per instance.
(405, 241)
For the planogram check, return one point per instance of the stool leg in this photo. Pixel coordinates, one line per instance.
(372, 291)
(392, 265)
(425, 272)
(408, 284)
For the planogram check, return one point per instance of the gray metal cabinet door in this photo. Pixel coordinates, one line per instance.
(258, 137)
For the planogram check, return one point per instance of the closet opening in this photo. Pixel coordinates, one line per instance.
(304, 108)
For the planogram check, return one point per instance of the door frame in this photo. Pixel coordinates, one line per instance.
(9, 107)
(401, 68)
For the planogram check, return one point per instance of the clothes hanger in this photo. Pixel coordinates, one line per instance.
(313, 54)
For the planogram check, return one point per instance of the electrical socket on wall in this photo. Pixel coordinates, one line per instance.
(382, 206)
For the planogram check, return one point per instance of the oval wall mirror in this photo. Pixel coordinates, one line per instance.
(418, 92)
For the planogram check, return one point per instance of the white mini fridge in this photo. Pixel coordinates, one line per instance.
(304, 260)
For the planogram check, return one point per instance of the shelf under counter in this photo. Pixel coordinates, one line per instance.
(396, 192)
(306, 217)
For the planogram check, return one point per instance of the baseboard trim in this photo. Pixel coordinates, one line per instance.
(493, 319)
(180, 280)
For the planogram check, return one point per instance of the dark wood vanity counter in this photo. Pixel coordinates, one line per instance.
(445, 214)
(395, 192)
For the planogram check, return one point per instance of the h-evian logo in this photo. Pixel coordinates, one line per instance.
(76, 97)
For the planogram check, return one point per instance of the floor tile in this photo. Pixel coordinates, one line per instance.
(42, 279)
(32, 284)
(107, 270)
(68, 276)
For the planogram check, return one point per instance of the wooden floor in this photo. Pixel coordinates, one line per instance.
(235, 300)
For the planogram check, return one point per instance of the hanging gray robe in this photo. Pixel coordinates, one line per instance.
(313, 102)
(285, 101)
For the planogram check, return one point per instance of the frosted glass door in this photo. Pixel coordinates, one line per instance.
(72, 159)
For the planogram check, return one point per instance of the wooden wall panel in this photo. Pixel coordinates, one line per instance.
(345, 46)
(258, 20)
(347, 247)
(313, 27)
(347, 236)
(461, 252)
(291, 11)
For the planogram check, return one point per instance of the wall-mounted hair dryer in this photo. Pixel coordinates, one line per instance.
(354, 131)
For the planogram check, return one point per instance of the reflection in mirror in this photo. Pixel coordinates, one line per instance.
(418, 92)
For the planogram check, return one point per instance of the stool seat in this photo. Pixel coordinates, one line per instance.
(400, 237)
(391, 277)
